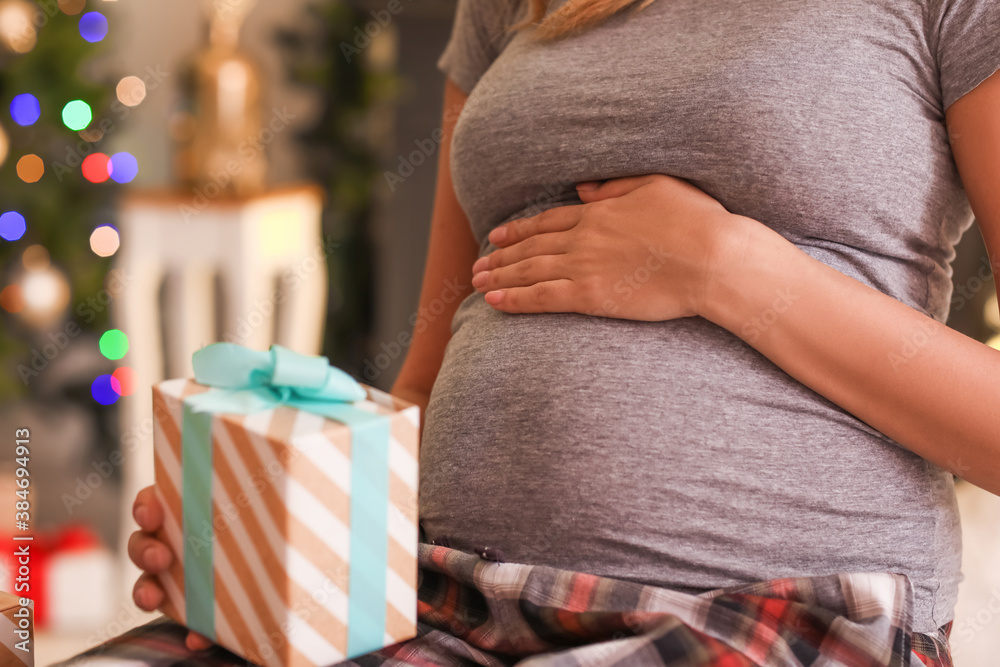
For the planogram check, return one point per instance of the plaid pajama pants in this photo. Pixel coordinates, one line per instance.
(477, 611)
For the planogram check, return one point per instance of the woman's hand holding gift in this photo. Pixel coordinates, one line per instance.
(153, 557)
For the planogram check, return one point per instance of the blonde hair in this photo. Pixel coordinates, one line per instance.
(573, 17)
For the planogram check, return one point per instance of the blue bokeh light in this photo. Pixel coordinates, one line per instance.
(12, 226)
(103, 391)
(93, 26)
(123, 167)
(25, 109)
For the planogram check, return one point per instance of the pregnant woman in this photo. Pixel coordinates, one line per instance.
(706, 254)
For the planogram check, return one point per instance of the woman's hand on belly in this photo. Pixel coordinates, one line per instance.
(638, 248)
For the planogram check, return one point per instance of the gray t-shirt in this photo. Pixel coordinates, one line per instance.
(674, 453)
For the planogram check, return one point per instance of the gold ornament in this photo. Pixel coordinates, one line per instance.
(17, 27)
(225, 155)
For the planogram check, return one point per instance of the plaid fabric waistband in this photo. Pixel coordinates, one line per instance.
(476, 611)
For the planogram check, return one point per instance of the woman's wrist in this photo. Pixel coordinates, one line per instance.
(748, 271)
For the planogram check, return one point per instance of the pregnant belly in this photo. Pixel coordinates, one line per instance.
(669, 453)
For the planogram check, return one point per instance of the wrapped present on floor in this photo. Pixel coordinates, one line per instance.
(291, 506)
(17, 641)
(71, 578)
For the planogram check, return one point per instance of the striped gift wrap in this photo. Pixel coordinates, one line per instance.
(279, 587)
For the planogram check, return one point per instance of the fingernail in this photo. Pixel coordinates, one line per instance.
(480, 265)
(498, 235)
(141, 515)
(494, 298)
(589, 185)
(479, 279)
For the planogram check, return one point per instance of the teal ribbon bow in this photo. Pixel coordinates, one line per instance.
(245, 381)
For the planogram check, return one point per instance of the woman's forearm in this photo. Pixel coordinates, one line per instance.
(928, 387)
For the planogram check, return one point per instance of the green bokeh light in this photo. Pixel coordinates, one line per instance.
(114, 344)
(77, 115)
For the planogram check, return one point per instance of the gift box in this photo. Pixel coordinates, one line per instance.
(290, 504)
(16, 632)
(71, 579)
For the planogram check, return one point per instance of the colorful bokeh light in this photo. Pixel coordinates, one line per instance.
(130, 91)
(104, 241)
(113, 344)
(12, 226)
(77, 115)
(30, 168)
(103, 391)
(36, 258)
(46, 292)
(93, 26)
(11, 299)
(25, 109)
(123, 381)
(96, 167)
(72, 7)
(91, 134)
(17, 29)
(124, 167)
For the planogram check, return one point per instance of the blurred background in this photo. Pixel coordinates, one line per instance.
(172, 174)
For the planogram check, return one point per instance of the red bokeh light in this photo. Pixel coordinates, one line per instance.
(123, 381)
(96, 167)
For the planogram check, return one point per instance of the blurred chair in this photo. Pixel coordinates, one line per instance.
(198, 270)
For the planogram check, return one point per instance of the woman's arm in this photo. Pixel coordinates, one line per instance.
(930, 388)
(450, 254)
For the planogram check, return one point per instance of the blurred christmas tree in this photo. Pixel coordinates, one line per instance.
(357, 88)
(54, 115)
